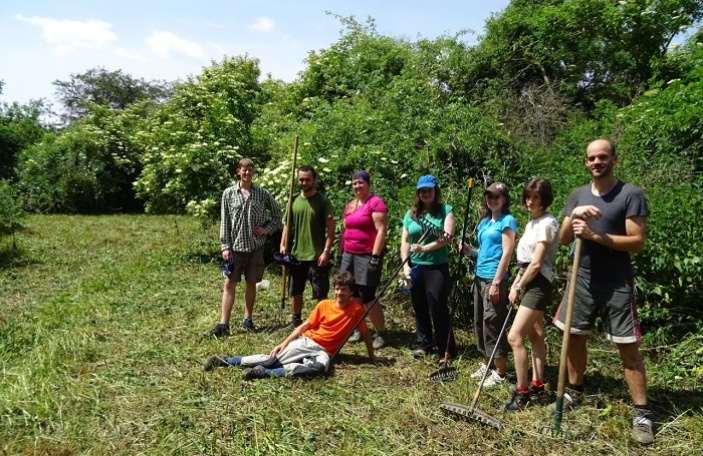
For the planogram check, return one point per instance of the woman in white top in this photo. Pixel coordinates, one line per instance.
(532, 290)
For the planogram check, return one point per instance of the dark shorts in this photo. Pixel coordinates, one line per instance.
(309, 271)
(538, 294)
(614, 302)
(366, 281)
(249, 263)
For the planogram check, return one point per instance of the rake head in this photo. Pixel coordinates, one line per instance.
(445, 374)
(474, 414)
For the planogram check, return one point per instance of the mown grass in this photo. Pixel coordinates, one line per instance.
(101, 353)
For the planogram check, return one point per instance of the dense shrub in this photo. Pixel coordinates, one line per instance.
(10, 211)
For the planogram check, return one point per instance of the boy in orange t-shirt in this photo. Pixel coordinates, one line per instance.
(308, 349)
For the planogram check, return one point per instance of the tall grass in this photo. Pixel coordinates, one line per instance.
(101, 353)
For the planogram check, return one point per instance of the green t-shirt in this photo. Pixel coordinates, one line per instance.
(310, 226)
(415, 230)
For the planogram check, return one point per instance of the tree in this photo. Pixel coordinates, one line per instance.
(593, 49)
(20, 127)
(193, 142)
(113, 89)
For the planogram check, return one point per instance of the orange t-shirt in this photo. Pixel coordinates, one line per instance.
(330, 325)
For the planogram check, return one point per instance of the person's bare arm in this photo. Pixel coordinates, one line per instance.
(380, 222)
(508, 242)
(325, 257)
(632, 241)
(297, 332)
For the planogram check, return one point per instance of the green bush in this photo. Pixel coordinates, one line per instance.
(11, 213)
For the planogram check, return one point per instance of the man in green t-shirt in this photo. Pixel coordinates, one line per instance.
(311, 235)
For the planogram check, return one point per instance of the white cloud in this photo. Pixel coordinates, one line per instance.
(126, 53)
(67, 36)
(164, 44)
(263, 24)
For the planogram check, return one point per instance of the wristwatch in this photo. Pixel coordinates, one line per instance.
(519, 289)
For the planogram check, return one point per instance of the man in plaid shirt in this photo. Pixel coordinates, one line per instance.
(249, 215)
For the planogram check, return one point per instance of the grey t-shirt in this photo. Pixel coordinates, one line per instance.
(624, 201)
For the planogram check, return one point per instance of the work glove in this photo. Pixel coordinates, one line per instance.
(374, 262)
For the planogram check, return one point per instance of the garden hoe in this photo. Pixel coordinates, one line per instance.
(446, 373)
(559, 409)
(286, 236)
(471, 411)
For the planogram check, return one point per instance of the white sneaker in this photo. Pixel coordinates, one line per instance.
(493, 380)
(355, 336)
(642, 430)
(480, 371)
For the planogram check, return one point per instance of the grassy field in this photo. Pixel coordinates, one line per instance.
(101, 353)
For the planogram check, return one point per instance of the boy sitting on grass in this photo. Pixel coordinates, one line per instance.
(308, 349)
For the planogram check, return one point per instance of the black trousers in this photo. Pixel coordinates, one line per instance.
(430, 295)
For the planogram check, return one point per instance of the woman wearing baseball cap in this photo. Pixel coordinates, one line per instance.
(428, 266)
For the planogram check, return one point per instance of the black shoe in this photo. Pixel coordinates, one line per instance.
(518, 402)
(248, 325)
(216, 361)
(251, 373)
(536, 392)
(294, 323)
(220, 330)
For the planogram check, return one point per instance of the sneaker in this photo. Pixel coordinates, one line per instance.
(355, 336)
(572, 398)
(220, 329)
(251, 373)
(420, 353)
(642, 430)
(480, 371)
(518, 402)
(379, 339)
(535, 391)
(248, 325)
(493, 380)
(215, 361)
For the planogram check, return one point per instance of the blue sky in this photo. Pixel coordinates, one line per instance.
(44, 40)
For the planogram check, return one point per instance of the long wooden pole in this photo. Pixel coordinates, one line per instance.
(289, 220)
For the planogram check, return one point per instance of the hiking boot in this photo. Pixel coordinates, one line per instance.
(251, 373)
(518, 402)
(215, 361)
(536, 392)
(420, 353)
(572, 398)
(642, 430)
(220, 330)
(379, 339)
(248, 325)
(480, 371)
(294, 323)
(355, 336)
(493, 380)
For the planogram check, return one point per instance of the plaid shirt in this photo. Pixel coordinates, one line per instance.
(240, 215)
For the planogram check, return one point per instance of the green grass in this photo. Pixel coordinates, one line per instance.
(101, 353)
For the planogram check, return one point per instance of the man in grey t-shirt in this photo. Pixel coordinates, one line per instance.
(610, 217)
